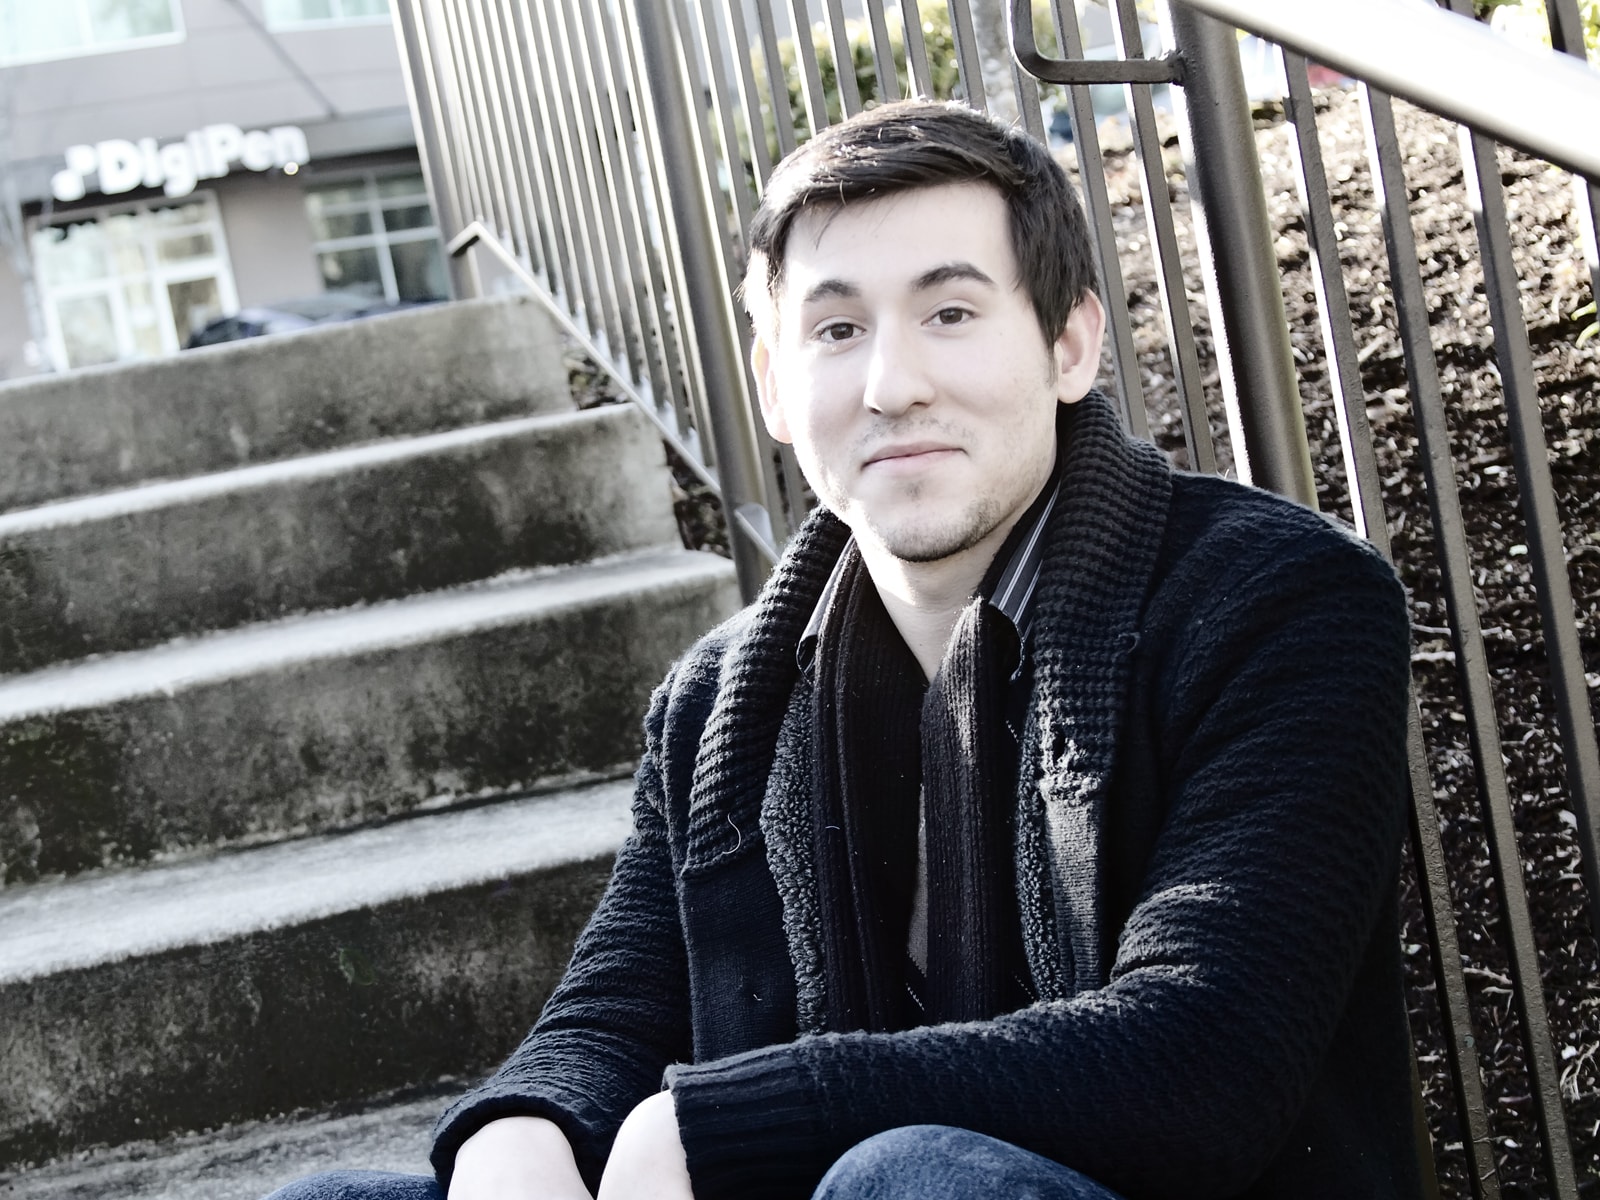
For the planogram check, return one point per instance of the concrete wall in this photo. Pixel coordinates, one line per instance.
(269, 238)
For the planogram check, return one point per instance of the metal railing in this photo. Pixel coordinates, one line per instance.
(606, 155)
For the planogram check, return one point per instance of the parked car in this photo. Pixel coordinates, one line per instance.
(290, 315)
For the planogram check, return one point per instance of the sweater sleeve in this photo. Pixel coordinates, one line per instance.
(1282, 720)
(620, 1013)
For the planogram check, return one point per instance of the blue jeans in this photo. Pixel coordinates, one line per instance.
(917, 1162)
(936, 1162)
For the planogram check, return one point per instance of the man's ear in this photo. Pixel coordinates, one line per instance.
(1077, 350)
(767, 390)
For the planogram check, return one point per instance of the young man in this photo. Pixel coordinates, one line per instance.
(1036, 831)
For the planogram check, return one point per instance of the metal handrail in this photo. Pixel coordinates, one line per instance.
(1537, 100)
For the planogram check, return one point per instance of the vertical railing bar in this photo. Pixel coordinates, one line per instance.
(683, 366)
(543, 248)
(586, 114)
(696, 402)
(1566, 35)
(566, 277)
(1164, 245)
(665, 355)
(739, 189)
(1552, 586)
(544, 245)
(472, 55)
(1455, 1005)
(634, 250)
(1433, 438)
(810, 75)
(496, 77)
(1234, 243)
(1333, 305)
(472, 112)
(703, 245)
(967, 60)
(568, 281)
(1536, 496)
(466, 131)
(732, 258)
(882, 52)
(733, 251)
(1366, 502)
(919, 75)
(438, 166)
(579, 120)
(1097, 201)
(565, 156)
(606, 188)
(777, 85)
(844, 59)
(1030, 106)
(508, 41)
(1389, 188)
(749, 96)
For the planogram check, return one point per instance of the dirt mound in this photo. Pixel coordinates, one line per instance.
(1554, 282)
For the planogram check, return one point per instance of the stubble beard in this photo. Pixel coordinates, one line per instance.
(919, 544)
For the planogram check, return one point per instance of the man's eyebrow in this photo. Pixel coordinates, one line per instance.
(831, 289)
(947, 273)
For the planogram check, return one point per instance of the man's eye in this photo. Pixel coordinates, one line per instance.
(838, 331)
(951, 316)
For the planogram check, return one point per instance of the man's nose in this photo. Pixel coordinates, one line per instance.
(898, 374)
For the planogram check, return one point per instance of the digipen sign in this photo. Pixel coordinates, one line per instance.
(175, 168)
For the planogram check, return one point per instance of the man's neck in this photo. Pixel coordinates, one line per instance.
(924, 599)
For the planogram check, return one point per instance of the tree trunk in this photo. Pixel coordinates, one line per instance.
(994, 53)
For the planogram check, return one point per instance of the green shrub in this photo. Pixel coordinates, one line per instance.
(1588, 10)
(938, 40)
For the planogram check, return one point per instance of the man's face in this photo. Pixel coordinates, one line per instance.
(910, 374)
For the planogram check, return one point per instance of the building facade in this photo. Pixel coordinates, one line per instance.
(165, 163)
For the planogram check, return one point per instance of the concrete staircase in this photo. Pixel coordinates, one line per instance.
(322, 660)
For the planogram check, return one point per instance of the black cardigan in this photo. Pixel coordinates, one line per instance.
(1210, 806)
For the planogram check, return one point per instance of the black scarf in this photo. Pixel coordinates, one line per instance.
(881, 735)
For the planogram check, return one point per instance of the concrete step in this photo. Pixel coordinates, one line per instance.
(303, 974)
(247, 1160)
(136, 567)
(441, 367)
(334, 719)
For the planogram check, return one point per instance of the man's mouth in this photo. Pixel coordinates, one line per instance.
(910, 455)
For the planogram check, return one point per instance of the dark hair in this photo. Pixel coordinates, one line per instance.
(923, 143)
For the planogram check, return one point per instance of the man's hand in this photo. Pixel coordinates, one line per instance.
(517, 1158)
(647, 1161)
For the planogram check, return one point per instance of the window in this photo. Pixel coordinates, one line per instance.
(375, 234)
(31, 30)
(132, 282)
(291, 14)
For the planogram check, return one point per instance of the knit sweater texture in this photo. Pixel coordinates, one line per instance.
(1210, 804)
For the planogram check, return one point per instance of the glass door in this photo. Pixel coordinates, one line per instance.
(132, 282)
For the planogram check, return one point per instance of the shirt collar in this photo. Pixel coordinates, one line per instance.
(1010, 591)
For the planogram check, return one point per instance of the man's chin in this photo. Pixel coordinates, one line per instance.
(925, 543)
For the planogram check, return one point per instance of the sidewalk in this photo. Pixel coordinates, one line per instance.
(242, 1162)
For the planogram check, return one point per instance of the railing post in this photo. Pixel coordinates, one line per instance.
(709, 291)
(426, 122)
(1234, 238)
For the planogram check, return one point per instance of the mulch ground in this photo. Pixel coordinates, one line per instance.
(1554, 280)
